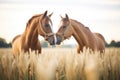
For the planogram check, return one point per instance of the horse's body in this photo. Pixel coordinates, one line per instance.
(37, 25)
(82, 34)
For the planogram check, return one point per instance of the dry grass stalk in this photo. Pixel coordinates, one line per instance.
(61, 64)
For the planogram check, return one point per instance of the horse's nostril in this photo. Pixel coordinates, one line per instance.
(58, 41)
(52, 42)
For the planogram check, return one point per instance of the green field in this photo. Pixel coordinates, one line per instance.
(61, 64)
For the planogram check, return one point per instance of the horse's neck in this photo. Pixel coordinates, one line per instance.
(31, 34)
(79, 34)
(34, 38)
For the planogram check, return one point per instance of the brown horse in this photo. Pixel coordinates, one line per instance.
(38, 25)
(82, 34)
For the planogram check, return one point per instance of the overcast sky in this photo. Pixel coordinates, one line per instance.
(101, 16)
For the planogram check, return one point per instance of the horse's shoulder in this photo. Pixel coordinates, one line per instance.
(15, 38)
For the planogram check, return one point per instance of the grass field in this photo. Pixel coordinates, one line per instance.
(61, 64)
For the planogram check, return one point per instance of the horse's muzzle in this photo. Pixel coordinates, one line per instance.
(52, 42)
(58, 41)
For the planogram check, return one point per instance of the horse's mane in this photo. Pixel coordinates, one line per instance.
(77, 22)
(80, 24)
(29, 21)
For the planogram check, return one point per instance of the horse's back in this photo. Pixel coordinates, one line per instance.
(15, 38)
(16, 44)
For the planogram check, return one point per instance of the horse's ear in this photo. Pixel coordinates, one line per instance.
(67, 17)
(50, 14)
(44, 15)
(61, 17)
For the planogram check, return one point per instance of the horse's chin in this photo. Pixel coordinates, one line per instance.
(67, 37)
(52, 44)
(58, 43)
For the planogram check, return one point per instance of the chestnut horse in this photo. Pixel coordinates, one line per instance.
(38, 25)
(83, 35)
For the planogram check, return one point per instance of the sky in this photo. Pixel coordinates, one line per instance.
(102, 16)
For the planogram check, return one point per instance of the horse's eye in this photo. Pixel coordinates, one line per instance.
(64, 26)
(47, 25)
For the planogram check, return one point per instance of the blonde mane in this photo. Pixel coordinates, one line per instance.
(30, 20)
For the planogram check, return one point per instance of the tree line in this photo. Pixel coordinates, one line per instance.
(44, 44)
(4, 44)
(113, 43)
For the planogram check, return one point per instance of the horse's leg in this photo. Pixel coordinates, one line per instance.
(29, 67)
(29, 73)
(39, 48)
(78, 49)
(102, 51)
(39, 51)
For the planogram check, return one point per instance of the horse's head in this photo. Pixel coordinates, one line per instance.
(45, 27)
(65, 29)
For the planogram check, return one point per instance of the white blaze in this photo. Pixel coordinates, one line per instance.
(55, 38)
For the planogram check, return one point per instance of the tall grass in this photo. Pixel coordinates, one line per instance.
(61, 64)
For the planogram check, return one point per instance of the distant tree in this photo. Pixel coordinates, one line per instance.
(2, 40)
(44, 44)
(107, 45)
(9, 44)
(117, 44)
(113, 44)
(3, 43)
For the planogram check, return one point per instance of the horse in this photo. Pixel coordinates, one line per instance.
(82, 34)
(39, 24)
